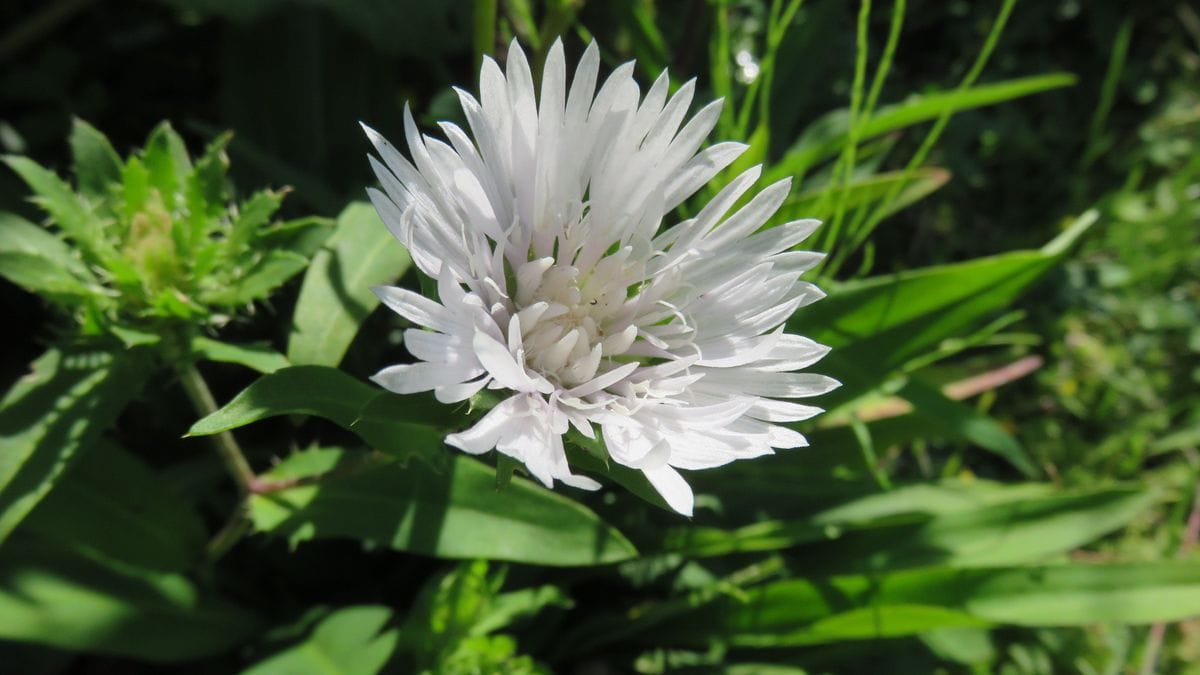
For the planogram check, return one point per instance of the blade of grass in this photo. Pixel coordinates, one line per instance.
(931, 138)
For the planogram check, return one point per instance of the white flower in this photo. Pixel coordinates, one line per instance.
(556, 284)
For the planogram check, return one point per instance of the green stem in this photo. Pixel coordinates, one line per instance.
(226, 446)
(231, 533)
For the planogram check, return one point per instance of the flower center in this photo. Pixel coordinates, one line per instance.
(568, 323)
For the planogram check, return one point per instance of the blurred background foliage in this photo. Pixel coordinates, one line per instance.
(1087, 453)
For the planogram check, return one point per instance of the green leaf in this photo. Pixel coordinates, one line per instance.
(166, 159)
(41, 263)
(112, 505)
(897, 529)
(350, 641)
(271, 271)
(396, 425)
(205, 188)
(135, 187)
(867, 191)
(457, 513)
(97, 165)
(940, 413)
(54, 413)
(253, 215)
(877, 324)
(826, 137)
(258, 356)
(818, 610)
(65, 208)
(52, 596)
(336, 294)
(302, 236)
(506, 609)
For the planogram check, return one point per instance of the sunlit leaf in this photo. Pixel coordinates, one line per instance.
(271, 271)
(111, 504)
(54, 596)
(260, 357)
(877, 324)
(350, 641)
(55, 412)
(66, 208)
(336, 294)
(396, 425)
(898, 529)
(97, 165)
(36, 260)
(826, 609)
(454, 513)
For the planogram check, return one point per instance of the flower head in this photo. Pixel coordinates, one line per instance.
(558, 283)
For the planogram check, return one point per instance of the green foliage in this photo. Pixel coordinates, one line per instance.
(159, 230)
(826, 609)
(54, 596)
(350, 641)
(938, 523)
(336, 295)
(53, 414)
(455, 513)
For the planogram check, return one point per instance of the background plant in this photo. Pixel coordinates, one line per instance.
(938, 522)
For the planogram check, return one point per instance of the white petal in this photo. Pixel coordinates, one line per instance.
(604, 380)
(500, 364)
(416, 308)
(414, 377)
(488, 430)
(456, 393)
(673, 488)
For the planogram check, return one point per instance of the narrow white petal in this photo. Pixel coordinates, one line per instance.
(411, 378)
(416, 308)
(501, 364)
(673, 488)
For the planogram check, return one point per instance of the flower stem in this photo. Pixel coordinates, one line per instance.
(226, 446)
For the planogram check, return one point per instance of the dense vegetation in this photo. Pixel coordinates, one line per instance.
(1005, 482)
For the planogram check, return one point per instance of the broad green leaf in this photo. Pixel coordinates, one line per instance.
(828, 609)
(53, 596)
(97, 165)
(41, 263)
(826, 137)
(456, 513)
(877, 324)
(350, 641)
(396, 425)
(271, 271)
(55, 412)
(336, 294)
(113, 505)
(258, 356)
(65, 208)
(896, 531)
